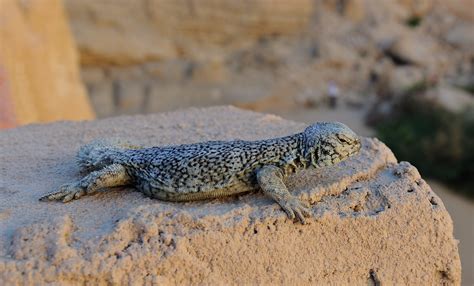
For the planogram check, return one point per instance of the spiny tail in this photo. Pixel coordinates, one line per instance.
(100, 153)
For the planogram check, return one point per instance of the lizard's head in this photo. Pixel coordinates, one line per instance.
(327, 143)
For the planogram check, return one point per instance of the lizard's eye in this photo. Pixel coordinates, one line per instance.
(344, 139)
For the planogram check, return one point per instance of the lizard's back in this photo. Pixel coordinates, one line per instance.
(203, 167)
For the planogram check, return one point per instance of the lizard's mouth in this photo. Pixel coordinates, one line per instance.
(357, 147)
(333, 156)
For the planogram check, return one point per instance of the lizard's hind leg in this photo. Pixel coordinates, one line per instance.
(111, 176)
(100, 153)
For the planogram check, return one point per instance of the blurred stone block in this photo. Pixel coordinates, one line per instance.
(102, 100)
(92, 75)
(40, 75)
(124, 32)
(129, 96)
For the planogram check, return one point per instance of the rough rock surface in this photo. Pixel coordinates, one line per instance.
(39, 75)
(375, 220)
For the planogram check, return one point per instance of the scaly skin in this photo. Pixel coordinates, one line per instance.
(213, 169)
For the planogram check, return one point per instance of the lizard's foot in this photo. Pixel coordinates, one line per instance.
(296, 208)
(66, 193)
(110, 176)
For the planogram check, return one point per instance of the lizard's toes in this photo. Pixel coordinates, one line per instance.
(68, 197)
(44, 198)
(53, 196)
(79, 194)
(289, 212)
(296, 208)
(65, 194)
(299, 214)
(306, 210)
(73, 194)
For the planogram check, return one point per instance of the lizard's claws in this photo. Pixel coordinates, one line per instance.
(66, 193)
(296, 208)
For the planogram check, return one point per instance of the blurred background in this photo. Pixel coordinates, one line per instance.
(400, 70)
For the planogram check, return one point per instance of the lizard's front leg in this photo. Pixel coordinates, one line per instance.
(270, 180)
(110, 176)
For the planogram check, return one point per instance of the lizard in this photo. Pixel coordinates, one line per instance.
(212, 169)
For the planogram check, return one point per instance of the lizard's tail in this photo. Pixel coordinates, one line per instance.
(100, 153)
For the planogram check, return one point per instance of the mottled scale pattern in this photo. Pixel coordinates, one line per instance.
(209, 165)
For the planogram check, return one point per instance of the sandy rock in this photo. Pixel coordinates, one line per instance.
(461, 36)
(374, 220)
(359, 10)
(415, 48)
(386, 11)
(129, 96)
(337, 55)
(170, 71)
(162, 97)
(354, 10)
(93, 75)
(103, 32)
(102, 98)
(417, 8)
(403, 78)
(163, 29)
(450, 98)
(212, 70)
(39, 75)
(460, 8)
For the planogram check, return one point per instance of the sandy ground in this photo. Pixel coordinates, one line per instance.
(373, 220)
(460, 208)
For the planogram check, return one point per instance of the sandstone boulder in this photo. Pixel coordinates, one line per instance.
(461, 36)
(450, 98)
(417, 49)
(403, 78)
(39, 76)
(374, 220)
(460, 8)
